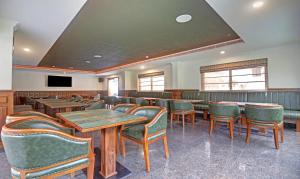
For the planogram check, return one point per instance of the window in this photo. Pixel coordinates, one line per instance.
(113, 86)
(152, 82)
(245, 75)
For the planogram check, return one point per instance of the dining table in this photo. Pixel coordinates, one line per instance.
(53, 106)
(106, 122)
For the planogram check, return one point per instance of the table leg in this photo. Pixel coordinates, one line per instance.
(108, 152)
(68, 109)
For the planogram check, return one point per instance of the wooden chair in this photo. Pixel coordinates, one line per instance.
(145, 134)
(181, 108)
(37, 148)
(28, 114)
(265, 117)
(224, 113)
(124, 108)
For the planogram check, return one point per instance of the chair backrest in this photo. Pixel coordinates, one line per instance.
(141, 102)
(27, 114)
(125, 100)
(163, 103)
(35, 143)
(111, 100)
(147, 111)
(224, 110)
(266, 113)
(124, 108)
(96, 105)
(176, 105)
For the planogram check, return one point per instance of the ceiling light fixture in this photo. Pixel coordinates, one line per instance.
(183, 18)
(97, 56)
(26, 49)
(222, 52)
(142, 67)
(71, 67)
(87, 61)
(53, 66)
(257, 4)
(147, 56)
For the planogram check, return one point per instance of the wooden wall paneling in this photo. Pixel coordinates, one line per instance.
(6, 106)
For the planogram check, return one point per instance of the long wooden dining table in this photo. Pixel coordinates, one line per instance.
(106, 122)
(58, 105)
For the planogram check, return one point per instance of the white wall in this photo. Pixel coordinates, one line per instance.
(26, 80)
(183, 72)
(283, 66)
(6, 50)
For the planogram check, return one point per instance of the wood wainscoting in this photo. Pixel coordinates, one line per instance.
(20, 95)
(6, 106)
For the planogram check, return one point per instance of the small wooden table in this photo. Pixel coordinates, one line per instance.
(106, 121)
(151, 100)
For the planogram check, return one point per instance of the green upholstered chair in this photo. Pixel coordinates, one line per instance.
(28, 114)
(39, 148)
(141, 102)
(147, 133)
(110, 101)
(124, 108)
(96, 105)
(181, 108)
(265, 116)
(124, 100)
(164, 103)
(224, 113)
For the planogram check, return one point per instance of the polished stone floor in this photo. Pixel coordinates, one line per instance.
(195, 154)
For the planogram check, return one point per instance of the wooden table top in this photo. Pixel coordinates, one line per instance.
(93, 120)
(59, 103)
(242, 104)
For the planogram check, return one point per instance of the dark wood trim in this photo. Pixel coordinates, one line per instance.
(171, 54)
(28, 67)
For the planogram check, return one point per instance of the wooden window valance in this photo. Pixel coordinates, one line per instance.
(151, 74)
(234, 65)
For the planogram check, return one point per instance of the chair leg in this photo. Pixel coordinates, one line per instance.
(183, 120)
(172, 115)
(282, 133)
(231, 129)
(240, 126)
(146, 156)
(275, 131)
(123, 148)
(165, 140)
(211, 127)
(90, 169)
(205, 114)
(193, 118)
(248, 133)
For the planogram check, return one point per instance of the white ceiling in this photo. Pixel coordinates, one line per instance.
(40, 23)
(274, 24)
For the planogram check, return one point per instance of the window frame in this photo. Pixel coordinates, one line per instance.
(151, 76)
(236, 66)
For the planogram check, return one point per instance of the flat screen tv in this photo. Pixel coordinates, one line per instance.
(59, 81)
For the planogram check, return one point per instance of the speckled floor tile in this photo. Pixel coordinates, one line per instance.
(194, 154)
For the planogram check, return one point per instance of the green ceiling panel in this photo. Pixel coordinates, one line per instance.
(125, 31)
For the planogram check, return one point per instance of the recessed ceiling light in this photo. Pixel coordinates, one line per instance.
(26, 49)
(257, 4)
(142, 67)
(97, 56)
(183, 18)
(222, 52)
(87, 61)
(147, 56)
(53, 66)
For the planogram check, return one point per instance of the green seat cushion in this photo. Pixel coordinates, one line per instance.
(137, 131)
(201, 107)
(291, 114)
(50, 171)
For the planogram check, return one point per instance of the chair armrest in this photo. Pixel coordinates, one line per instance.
(37, 148)
(159, 123)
